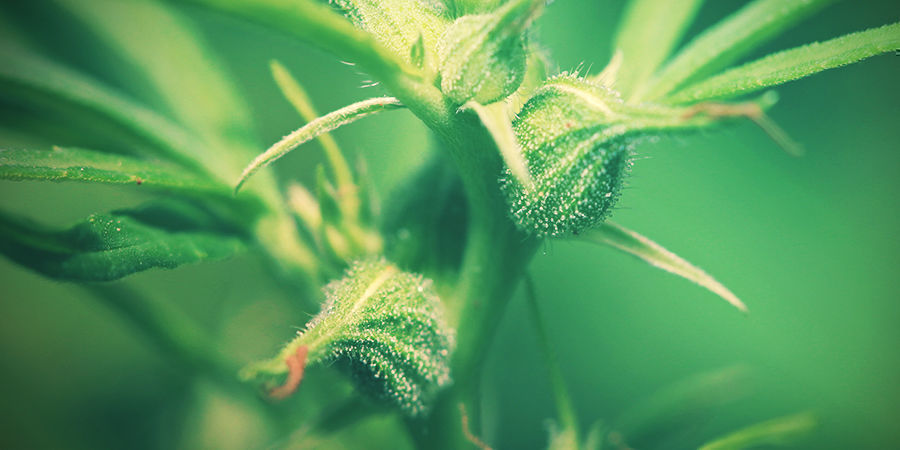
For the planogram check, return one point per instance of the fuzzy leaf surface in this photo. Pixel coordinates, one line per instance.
(793, 64)
(106, 247)
(324, 124)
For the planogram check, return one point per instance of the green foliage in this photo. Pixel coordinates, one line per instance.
(318, 126)
(525, 155)
(383, 326)
(36, 79)
(728, 41)
(642, 51)
(793, 64)
(110, 246)
(75, 164)
(780, 431)
(633, 243)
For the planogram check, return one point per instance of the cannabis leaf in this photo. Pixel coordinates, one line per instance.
(109, 246)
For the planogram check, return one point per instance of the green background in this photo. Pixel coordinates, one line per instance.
(810, 244)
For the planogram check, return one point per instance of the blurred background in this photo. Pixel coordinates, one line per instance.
(811, 245)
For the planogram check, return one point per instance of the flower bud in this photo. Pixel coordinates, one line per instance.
(483, 56)
(577, 152)
(385, 328)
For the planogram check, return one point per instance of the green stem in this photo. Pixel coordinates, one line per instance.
(494, 260)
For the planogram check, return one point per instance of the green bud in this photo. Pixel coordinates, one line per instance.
(483, 56)
(385, 328)
(399, 25)
(577, 152)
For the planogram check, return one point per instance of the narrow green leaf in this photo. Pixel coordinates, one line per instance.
(729, 40)
(793, 64)
(76, 164)
(312, 129)
(106, 247)
(300, 100)
(648, 33)
(780, 431)
(27, 75)
(495, 119)
(139, 32)
(628, 241)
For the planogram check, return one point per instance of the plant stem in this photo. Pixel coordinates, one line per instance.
(495, 258)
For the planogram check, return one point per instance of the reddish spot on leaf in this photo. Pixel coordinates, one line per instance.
(138, 180)
(296, 364)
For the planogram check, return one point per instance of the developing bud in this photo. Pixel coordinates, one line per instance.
(385, 328)
(577, 152)
(483, 56)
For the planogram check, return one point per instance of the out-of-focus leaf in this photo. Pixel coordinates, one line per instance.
(319, 24)
(299, 99)
(633, 243)
(676, 408)
(648, 33)
(75, 164)
(31, 76)
(729, 40)
(426, 218)
(316, 127)
(188, 78)
(106, 247)
(780, 431)
(793, 64)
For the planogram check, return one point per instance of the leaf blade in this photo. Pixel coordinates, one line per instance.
(495, 119)
(24, 73)
(793, 64)
(643, 52)
(107, 247)
(654, 254)
(778, 431)
(82, 165)
(324, 124)
(214, 109)
(728, 41)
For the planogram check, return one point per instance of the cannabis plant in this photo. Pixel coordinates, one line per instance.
(397, 298)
